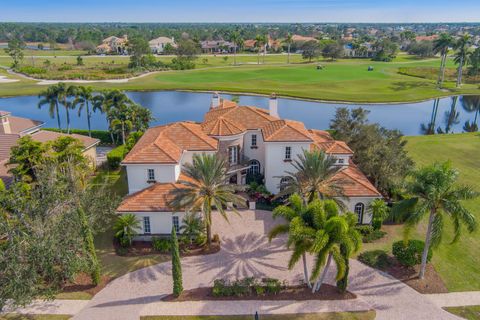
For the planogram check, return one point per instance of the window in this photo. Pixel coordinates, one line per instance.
(151, 174)
(233, 155)
(176, 224)
(254, 167)
(284, 182)
(146, 225)
(288, 153)
(359, 209)
(341, 161)
(254, 140)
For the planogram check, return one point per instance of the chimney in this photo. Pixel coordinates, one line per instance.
(273, 105)
(4, 122)
(215, 100)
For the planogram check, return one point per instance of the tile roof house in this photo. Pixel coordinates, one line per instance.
(157, 45)
(112, 44)
(254, 140)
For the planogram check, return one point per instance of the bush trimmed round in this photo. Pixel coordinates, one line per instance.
(410, 254)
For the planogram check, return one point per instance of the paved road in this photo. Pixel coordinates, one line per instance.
(246, 252)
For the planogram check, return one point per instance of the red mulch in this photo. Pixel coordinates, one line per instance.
(299, 293)
(431, 283)
(83, 283)
(144, 248)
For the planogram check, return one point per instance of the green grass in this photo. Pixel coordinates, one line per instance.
(468, 312)
(345, 80)
(366, 315)
(14, 316)
(458, 264)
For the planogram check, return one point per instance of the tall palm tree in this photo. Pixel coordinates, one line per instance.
(115, 104)
(50, 97)
(205, 188)
(65, 93)
(441, 46)
(260, 41)
(461, 46)
(121, 120)
(288, 40)
(83, 99)
(435, 193)
(236, 39)
(314, 177)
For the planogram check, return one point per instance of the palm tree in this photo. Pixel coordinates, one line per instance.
(441, 46)
(435, 193)
(314, 177)
(116, 105)
(260, 41)
(126, 228)
(83, 99)
(65, 93)
(236, 39)
(120, 120)
(288, 40)
(462, 46)
(451, 116)
(430, 128)
(50, 97)
(474, 63)
(206, 188)
(192, 226)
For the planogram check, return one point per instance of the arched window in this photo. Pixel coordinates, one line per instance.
(359, 209)
(254, 167)
(284, 182)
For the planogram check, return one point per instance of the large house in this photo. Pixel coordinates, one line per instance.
(253, 139)
(158, 45)
(217, 46)
(113, 45)
(13, 128)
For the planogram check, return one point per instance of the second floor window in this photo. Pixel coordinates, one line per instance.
(151, 174)
(288, 153)
(254, 140)
(233, 155)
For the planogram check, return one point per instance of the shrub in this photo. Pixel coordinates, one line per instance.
(65, 67)
(370, 234)
(122, 251)
(161, 244)
(31, 70)
(273, 286)
(182, 64)
(375, 259)
(410, 254)
(245, 287)
(2, 185)
(102, 135)
(116, 156)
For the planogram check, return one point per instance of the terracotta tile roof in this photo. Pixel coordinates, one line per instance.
(152, 199)
(285, 130)
(250, 43)
(357, 185)
(4, 175)
(222, 127)
(20, 125)
(165, 144)
(298, 38)
(4, 113)
(245, 116)
(323, 141)
(46, 136)
(7, 141)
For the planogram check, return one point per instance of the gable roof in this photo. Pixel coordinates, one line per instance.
(324, 141)
(357, 185)
(4, 175)
(19, 125)
(161, 40)
(285, 130)
(165, 144)
(46, 136)
(152, 199)
(7, 141)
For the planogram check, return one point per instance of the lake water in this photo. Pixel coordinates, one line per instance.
(171, 106)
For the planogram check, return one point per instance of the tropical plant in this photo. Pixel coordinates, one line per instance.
(206, 188)
(236, 39)
(461, 46)
(474, 62)
(435, 193)
(50, 97)
(15, 50)
(84, 97)
(260, 42)
(125, 228)
(441, 46)
(314, 177)
(192, 226)
(288, 41)
(24, 157)
(176, 266)
(380, 211)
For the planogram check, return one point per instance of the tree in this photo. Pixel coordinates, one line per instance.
(236, 39)
(422, 49)
(176, 266)
(68, 149)
(288, 41)
(380, 211)
(125, 228)
(310, 50)
(461, 46)
(333, 51)
(137, 47)
(205, 188)
(474, 62)
(84, 96)
(50, 97)
(24, 157)
(435, 193)
(15, 50)
(385, 50)
(441, 46)
(192, 226)
(314, 177)
(261, 43)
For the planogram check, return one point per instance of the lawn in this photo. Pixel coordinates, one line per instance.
(345, 80)
(14, 316)
(458, 264)
(366, 315)
(468, 312)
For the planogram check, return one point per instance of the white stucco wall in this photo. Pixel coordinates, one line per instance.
(187, 156)
(352, 201)
(160, 223)
(275, 166)
(137, 175)
(259, 152)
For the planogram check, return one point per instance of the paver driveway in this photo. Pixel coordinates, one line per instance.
(246, 252)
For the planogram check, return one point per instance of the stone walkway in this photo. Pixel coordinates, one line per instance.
(246, 252)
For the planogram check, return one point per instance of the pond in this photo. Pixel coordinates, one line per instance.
(450, 113)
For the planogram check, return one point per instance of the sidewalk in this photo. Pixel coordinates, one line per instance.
(67, 307)
(455, 299)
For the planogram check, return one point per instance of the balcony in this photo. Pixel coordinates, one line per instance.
(241, 162)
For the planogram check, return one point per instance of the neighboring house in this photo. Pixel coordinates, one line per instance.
(364, 50)
(13, 128)
(158, 45)
(217, 46)
(298, 38)
(113, 45)
(426, 38)
(254, 140)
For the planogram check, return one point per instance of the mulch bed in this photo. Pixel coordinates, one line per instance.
(144, 248)
(83, 283)
(432, 283)
(299, 293)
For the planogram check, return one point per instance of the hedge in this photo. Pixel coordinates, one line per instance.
(410, 254)
(116, 156)
(102, 135)
(375, 259)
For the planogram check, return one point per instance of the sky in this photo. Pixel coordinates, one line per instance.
(240, 11)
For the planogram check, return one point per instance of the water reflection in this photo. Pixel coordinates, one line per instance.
(471, 104)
